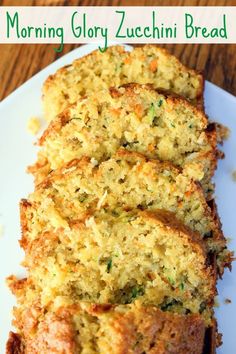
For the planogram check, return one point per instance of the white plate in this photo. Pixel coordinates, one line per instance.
(17, 152)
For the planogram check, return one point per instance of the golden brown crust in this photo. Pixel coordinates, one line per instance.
(213, 157)
(133, 329)
(223, 133)
(55, 334)
(212, 339)
(157, 332)
(24, 205)
(227, 256)
(14, 344)
(40, 168)
(16, 285)
(216, 218)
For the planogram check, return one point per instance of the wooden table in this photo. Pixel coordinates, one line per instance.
(19, 62)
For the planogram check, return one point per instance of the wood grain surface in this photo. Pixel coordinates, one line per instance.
(20, 62)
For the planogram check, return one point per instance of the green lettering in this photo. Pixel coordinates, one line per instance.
(60, 34)
(204, 32)
(189, 30)
(147, 29)
(118, 35)
(168, 32)
(38, 32)
(30, 29)
(130, 33)
(84, 25)
(214, 33)
(23, 33)
(154, 28)
(197, 29)
(104, 32)
(90, 32)
(76, 30)
(138, 33)
(11, 23)
(175, 30)
(223, 31)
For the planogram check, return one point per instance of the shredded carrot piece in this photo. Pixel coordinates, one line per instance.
(180, 203)
(139, 167)
(151, 147)
(188, 193)
(151, 276)
(153, 65)
(138, 110)
(127, 60)
(115, 111)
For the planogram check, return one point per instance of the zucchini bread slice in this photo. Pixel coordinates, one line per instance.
(111, 329)
(128, 180)
(137, 118)
(117, 256)
(116, 67)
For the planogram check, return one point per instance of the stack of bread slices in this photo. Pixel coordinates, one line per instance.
(123, 244)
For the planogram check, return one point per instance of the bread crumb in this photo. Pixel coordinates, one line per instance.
(33, 125)
(94, 162)
(101, 201)
(89, 222)
(227, 301)
(234, 175)
(223, 133)
(1, 230)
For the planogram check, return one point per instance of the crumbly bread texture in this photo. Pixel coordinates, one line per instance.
(98, 329)
(33, 125)
(121, 236)
(127, 180)
(115, 67)
(117, 256)
(137, 118)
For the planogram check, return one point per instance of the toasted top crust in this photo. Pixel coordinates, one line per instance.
(136, 117)
(116, 67)
(108, 329)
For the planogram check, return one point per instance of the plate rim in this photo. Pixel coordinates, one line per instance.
(39, 77)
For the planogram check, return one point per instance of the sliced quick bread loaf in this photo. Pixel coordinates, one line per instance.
(98, 329)
(117, 256)
(137, 118)
(116, 67)
(128, 180)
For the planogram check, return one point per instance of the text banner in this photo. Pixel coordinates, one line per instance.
(103, 25)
